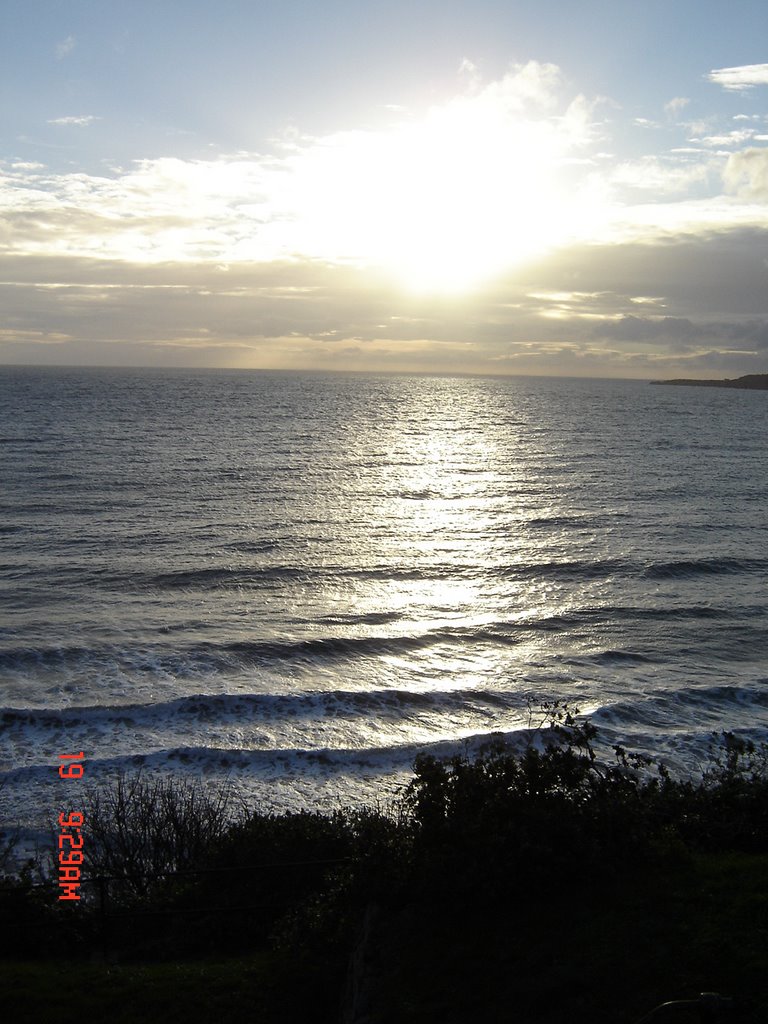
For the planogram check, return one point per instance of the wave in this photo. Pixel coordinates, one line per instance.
(684, 743)
(226, 577)
(687, 568)
(667, 710)
(210, 657)
(701, 707)
(586, 519)
(223, 577)
(677, 727)
(206, 658)
(286, 762)
(621, 657)
(258, 577)
(240, 708)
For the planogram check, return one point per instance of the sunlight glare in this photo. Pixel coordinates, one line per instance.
(442, 203)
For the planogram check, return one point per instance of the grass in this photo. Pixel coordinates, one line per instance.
(604, 954)
(607, 953)
(66, 992)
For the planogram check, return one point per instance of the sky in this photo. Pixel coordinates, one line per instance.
(535, 187)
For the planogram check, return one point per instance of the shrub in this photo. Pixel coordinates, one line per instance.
(505, 819)
(138, 828)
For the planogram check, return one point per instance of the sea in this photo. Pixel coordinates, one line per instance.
(295, 583)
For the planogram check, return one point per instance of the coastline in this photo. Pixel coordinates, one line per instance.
(749, 382)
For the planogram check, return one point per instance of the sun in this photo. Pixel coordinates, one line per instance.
(470, 201)
(444, 202)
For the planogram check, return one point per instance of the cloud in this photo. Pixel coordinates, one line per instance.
(740, 79)
(65, 47)
(659, 176)
(470, 73)
(675, 106)
(746, 173)
(526, 86)
(719, 276)
(474, 183)
(728, 139)
(678, 333)
(79, 121)
(495, 176)
(305, 256)
(621, 310)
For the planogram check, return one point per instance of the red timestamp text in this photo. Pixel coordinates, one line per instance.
(70, 839)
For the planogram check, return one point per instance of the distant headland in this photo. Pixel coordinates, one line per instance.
(751, 381)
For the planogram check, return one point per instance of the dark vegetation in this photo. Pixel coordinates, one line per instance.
(542, 886)
(749, 382)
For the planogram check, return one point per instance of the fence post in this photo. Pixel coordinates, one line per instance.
(356, 1006)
